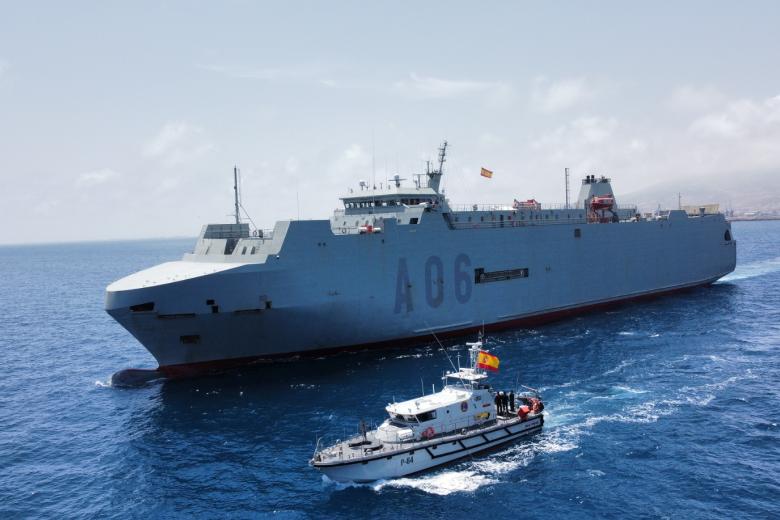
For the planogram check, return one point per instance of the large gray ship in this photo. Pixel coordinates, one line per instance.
(400, 262)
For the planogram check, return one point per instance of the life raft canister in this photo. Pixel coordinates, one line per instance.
(523, 411)
(536, 405)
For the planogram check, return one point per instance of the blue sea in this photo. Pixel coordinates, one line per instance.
(668, 408)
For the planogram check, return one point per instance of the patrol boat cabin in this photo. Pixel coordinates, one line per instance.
(465, 401)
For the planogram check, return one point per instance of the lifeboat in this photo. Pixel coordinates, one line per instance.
(605, 202)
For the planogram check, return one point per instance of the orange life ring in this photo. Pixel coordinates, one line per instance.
(429, 432)
(522, 411)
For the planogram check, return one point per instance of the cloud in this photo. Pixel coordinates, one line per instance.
(695, 99)
(559, 95)
(330, 83)
(245, 72)
(352, 163)
(97, 177)
(291, 165)
(177, 142)
(581, 131)
(306, 72)
(490, 139)
(740, 119)
(3, 67)
(438, 88)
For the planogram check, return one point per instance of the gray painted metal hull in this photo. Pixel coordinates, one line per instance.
(315, 290)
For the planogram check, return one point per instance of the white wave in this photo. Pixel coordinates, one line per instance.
(627, 333)
(752, 269)
(104, 384)
(623, 364)
(620, 366)
(444, 483)
(596, 473)
(328, 482)
(629, 390)
(500, 464)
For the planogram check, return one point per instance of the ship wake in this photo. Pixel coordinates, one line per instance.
(752, 269)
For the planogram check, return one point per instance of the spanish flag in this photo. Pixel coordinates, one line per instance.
(487, 361)
(486, 173)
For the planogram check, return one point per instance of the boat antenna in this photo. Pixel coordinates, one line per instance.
(445, 353)
(444, 349)
(235, 193)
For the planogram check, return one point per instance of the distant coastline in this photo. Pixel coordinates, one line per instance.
(753, 219)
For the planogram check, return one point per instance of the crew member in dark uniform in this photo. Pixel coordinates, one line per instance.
(498, 403)
(512, 401)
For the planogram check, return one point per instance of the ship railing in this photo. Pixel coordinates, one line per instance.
(341, 449)
(525, 207)
(490, 224)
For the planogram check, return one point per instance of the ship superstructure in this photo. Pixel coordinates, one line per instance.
(397, 263)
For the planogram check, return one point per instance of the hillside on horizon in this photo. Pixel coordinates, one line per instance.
(740, 192)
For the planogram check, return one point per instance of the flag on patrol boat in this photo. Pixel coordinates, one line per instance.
(486, 173)
(487, 361)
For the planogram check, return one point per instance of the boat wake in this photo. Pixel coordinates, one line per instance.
(565, 432)
(444, 483)
(752, 269)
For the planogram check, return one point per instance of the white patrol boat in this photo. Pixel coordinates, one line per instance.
(466, 417)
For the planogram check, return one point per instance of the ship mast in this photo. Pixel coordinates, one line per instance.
(235, 192)
(434, 177)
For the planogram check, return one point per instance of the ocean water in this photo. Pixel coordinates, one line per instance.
(668, 408)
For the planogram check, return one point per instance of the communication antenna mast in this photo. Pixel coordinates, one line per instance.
(442, 155)
(566, 173)
(434, 177)
(235, 192)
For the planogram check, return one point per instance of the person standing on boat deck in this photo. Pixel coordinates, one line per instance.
(498, 403)
(512, 401)
(506, 403)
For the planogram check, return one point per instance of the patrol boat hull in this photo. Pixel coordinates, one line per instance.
(423, 456)
(388, 275)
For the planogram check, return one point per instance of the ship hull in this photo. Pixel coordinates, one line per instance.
(403, 463)
(324, 293)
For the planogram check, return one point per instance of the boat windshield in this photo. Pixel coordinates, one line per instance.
(396, 419)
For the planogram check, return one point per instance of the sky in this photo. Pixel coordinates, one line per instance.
(124, 119)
